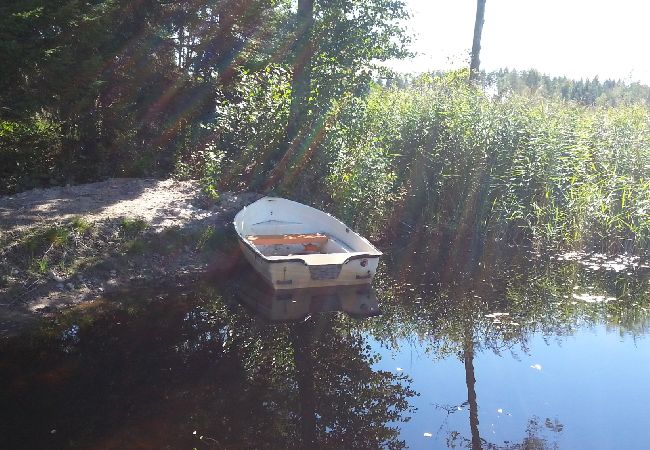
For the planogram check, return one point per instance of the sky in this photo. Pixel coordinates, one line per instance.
(574, 38)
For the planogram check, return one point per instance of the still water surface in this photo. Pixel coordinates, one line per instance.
(532, 353)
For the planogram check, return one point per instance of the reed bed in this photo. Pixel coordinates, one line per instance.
(444, 158)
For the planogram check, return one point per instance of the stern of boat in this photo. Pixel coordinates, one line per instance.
(299, 274)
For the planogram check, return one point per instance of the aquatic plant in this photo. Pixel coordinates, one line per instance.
(443, 158)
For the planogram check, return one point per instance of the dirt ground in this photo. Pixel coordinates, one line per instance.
(162, 203)
(64, 246)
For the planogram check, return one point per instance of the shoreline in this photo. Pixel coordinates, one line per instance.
(64, 247)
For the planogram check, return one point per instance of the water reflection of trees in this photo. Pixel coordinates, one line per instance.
(187, 362)
(196, 371)
(533, 440)
(506, 300)
(465, 307)
(352, 402)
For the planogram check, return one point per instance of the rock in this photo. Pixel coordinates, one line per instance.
(56, 277)
(70, 286)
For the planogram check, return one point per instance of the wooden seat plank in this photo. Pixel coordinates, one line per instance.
(287, 239)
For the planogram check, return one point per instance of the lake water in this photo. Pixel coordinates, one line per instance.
(526, 353)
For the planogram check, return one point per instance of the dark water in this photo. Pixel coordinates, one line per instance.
(527, 353)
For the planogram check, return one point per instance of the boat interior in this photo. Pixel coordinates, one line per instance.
(292, 244)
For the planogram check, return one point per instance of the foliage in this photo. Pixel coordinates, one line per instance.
(251, 127)
(584, 91)
(123, 89)
(28, 151)
(107, 88)
(349, 36)
(96, 89)
(444, 159)
(362, 172)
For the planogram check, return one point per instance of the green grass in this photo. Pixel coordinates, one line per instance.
(80, 225)
(40, 265)
(57, 236)
(210, 239)
(132, 227)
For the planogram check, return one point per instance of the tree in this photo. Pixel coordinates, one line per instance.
(335, 43)
(121, 90)
(95, 89)
(476, 43)
(301, 56)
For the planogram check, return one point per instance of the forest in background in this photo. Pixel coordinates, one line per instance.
(115, 88)
(588, 92)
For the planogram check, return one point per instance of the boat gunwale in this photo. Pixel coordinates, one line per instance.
(356, 255)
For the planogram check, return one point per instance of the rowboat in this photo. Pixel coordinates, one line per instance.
(292, 246)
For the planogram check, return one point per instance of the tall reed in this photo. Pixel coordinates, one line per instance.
(443, 158)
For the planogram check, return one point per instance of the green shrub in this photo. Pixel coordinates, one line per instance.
(28, 153)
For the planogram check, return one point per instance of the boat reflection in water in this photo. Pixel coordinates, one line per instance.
(312, 336)
(294, 305)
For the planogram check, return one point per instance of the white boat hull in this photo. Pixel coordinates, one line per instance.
(297, 274)
(345, 259)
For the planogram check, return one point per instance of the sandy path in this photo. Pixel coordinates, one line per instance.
(162, 203)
